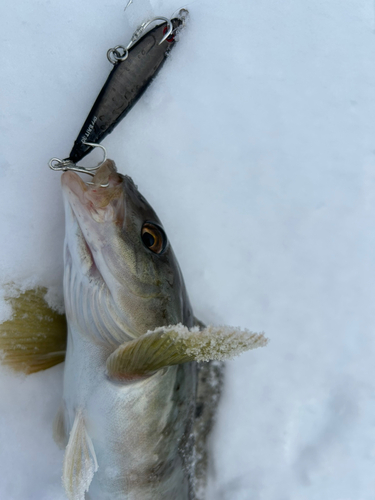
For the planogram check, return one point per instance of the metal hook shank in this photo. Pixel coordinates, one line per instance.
(65, 165)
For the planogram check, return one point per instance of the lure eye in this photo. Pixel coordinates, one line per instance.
(153, 237)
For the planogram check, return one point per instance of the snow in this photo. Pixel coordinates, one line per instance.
(255, 146)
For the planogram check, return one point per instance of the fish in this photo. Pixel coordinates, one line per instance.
(142, 376)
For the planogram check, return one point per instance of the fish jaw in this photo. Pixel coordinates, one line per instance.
(95, 220)
(92, 204)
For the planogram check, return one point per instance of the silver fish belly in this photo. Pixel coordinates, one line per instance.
(141, 432)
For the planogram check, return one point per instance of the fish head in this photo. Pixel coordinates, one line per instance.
(121, 275)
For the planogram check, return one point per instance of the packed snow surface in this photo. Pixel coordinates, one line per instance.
(256, 147)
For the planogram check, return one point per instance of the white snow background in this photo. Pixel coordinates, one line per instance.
(256, 146)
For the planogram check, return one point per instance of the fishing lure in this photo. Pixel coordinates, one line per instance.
(135, 65)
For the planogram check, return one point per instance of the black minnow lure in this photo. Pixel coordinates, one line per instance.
(134, 69)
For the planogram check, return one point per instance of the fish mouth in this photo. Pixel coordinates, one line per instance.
(91, 210)
(98, 198)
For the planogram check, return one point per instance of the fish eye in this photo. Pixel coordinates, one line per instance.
(153, 237)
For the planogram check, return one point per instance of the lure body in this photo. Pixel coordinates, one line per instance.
(125, 84)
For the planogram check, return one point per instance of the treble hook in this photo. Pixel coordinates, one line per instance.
(114, 55)
(65, 165)
(168, 32)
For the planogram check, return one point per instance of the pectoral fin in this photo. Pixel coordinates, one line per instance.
(80, 462)
(177, 344)
(35, 337)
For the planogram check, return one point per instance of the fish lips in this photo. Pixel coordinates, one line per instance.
(93, 213)
(93, 201)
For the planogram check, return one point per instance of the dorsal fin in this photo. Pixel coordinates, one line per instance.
(34, 338)
(80, 462)
(177, 344)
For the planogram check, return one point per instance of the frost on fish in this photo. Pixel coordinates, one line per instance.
(178, 344)
(34, 338)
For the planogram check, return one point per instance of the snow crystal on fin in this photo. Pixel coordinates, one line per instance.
(80, 462)
(213, 342)
(34, 338)
(177, 344)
